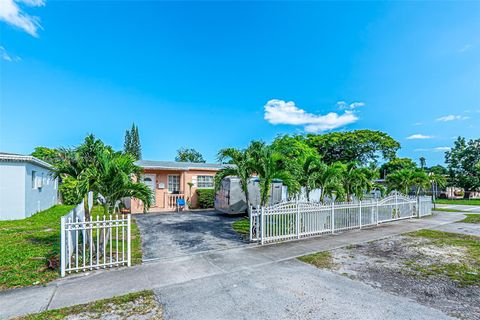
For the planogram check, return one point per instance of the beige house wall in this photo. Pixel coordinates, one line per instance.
(161, 176)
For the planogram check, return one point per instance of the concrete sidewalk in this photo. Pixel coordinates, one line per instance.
(162, 273)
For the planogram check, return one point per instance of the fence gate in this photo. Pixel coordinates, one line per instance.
(88, 244)
(295, 220)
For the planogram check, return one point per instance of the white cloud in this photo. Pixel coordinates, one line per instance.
(282, 112)
(452, 117)
(4, 55)
(12, 14)
(465, 48)
(418, 136)
(436, 149)
(342, 105)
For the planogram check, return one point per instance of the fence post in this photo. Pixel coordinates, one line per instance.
(129, 251)
(396, 205)
(332, 217)
(262, 225)
(360, 215)
(62, 246)
(250, 216)
(376, 215)
(298, 220)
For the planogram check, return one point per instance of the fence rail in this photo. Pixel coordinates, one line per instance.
(88, 244)
(295, 220)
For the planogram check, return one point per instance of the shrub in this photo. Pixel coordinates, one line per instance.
(206, 198)
(68, 189)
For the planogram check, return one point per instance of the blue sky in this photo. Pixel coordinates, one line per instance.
(218, 74)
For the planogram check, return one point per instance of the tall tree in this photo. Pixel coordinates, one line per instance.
(240, 167)
(423, 162)
(131, 144)
(463, 164)
(189, 155)
(395, 165)
(46, 154)
(362, 146)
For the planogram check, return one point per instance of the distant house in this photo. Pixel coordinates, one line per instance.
(26, 186)
(171, 181)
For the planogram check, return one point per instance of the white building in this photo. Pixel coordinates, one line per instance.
(26, 186)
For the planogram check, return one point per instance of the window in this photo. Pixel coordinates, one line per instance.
(205, 181)
(34, 179)
(173, 183)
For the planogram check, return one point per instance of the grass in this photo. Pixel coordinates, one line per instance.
(126, 306)
(448, 210)
(467, 272)
(30, 248)
(26, 247)
(471, 218)
(320, 260)
(242, 226)
(472, 202)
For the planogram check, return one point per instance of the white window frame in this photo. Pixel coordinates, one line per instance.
(170, 190)
(204, 182)
(34, 179)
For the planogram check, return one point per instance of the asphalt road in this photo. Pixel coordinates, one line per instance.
(166, 235)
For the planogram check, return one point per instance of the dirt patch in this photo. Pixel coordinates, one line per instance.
(403, 265)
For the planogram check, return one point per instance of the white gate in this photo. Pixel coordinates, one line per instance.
(93, 243)
(295, 220)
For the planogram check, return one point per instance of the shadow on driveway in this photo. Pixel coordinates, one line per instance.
(167, 235)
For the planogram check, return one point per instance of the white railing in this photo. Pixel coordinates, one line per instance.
(295, 220)
(172, 199)
(88, 244)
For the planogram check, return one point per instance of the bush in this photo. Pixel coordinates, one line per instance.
(68, 189)
(206, 198)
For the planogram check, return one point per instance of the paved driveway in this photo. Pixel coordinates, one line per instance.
(460, 207)
(167, 235)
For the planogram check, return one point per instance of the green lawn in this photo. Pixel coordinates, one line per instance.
(28, 246)
(448, 210)
(131, 306)
(242, 226)
(466, 272)
(471, 218)
(473, 202)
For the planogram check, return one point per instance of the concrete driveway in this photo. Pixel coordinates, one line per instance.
(167, 235)
(460, 207)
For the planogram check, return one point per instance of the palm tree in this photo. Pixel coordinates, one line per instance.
(239, 165)
(356, 181)
(267, 164)
(419, 179)
(400, 180)
(112, 179)
(308, 174)
(328, 180)
(423, 162)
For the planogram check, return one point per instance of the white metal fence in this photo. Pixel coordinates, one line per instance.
(295, 220)
(88, 244)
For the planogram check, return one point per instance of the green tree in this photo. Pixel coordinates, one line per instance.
(46, 154)
(400, 180)
(189, 155)
(95, 167)
(240, 166)
(362, 146)
(328, 178)
(131, 144)
(268, 165)
(356, 181)
(395, 165)
(438, 170)
(423, 162)
(463, 164)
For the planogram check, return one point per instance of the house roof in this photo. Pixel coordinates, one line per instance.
(13, 157)
(173, 165)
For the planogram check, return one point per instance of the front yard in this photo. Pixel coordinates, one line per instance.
(435, 268)
(472, 202)
(30, 248)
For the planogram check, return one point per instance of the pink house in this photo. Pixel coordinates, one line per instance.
(171, 180)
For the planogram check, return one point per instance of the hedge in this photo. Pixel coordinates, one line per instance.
(206, 198)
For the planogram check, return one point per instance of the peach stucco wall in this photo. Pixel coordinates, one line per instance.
(161, 176)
